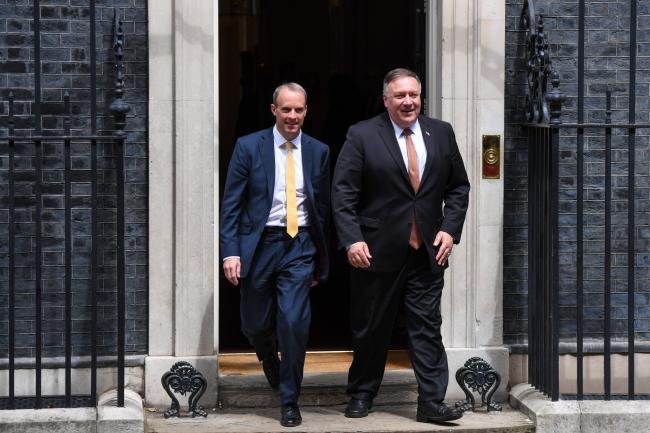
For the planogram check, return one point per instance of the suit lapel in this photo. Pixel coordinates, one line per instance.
(268, 158)
(427, 135)
(306, 162)
(387, 133)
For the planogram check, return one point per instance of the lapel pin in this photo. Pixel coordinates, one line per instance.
(427, 132)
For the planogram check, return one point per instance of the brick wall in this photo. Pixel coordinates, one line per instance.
(65, 67)
(607, 63)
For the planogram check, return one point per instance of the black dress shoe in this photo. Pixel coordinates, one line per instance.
(434, 412)
(358, 408)
(271, 367)
(290, 415)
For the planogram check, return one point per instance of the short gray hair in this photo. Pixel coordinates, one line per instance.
(294, 87)
(399, 73)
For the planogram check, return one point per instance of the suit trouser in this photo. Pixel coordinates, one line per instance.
(376, 298)
(275, 302)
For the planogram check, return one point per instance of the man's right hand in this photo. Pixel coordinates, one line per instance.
(232, 268)
(358, 255)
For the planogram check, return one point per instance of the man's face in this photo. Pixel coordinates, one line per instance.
(289, 111)
(402, 101)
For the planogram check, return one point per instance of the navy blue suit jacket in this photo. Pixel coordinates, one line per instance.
(248, 194)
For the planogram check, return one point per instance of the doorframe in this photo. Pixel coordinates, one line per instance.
(433, 59)
(465, 87)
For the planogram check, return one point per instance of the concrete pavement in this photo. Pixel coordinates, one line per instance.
(389, 418)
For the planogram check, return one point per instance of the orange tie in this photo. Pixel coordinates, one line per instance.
(290, 192)
(414, 175)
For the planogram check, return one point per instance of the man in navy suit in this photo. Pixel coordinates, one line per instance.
(399, 197)
(274, 218)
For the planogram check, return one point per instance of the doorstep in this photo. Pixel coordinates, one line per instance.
(387, 418)
(242, 384)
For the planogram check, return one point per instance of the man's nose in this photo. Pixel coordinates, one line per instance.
(408, 100)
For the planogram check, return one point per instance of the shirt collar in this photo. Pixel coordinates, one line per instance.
(279, 140)
(415, 128)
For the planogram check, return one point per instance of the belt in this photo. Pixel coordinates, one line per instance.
(282, 229)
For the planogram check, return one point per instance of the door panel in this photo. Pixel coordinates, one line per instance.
(339, 50)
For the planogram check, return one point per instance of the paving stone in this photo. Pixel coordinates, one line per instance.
(394, 418)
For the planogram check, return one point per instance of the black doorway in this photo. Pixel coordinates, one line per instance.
(339, 50)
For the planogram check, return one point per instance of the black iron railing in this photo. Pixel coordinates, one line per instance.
(38, 140)
(545, 131)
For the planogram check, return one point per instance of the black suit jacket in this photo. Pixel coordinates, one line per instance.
(372, 196)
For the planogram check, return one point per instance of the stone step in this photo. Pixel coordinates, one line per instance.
(247, 404)
(385, 418)
(242, 384)
(318, 389)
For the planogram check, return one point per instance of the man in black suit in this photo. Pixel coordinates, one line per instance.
(399, 197)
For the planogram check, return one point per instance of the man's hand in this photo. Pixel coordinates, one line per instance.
(358, 255)
(446, 243)
(232, 268)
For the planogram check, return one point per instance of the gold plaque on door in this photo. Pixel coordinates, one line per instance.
(491, 156)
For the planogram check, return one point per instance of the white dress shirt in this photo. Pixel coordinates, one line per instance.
(278, 213)
(418, 141)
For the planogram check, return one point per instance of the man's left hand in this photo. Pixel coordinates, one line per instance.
(446, 243)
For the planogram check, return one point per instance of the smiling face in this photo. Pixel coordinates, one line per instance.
(402, 101)
(289, 110)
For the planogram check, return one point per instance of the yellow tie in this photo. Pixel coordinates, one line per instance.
(290, 191)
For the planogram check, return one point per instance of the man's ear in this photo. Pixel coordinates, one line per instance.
(273, 108)
(385, 98)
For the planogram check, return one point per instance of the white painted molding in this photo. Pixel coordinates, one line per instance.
(161, 178)
(472, 74)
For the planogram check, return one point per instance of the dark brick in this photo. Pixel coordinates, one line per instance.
(18, 40)
(607, 44)
(16, 25)
(78, 54)
(74, 13)
(51, 68)
(17, 53)
(55, 26)
(49, 12)
(60, 73)
(13, 67)
(50, 40)
(55, 54)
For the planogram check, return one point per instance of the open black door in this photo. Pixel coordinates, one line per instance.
(339, 50)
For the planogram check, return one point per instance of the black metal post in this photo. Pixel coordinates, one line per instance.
(532, 252)
(608, 247)
(121, 293)
(555, 98)
(119, 108)
(580, 204)
(68, 253)
(541, 237)
(631, 204)
(36, 109)
(93, 192)
(12, 257)
(532, 274)
(555, 273)
(548, 239)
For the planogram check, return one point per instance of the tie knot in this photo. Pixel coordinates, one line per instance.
(288, 145)
(406, 132)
